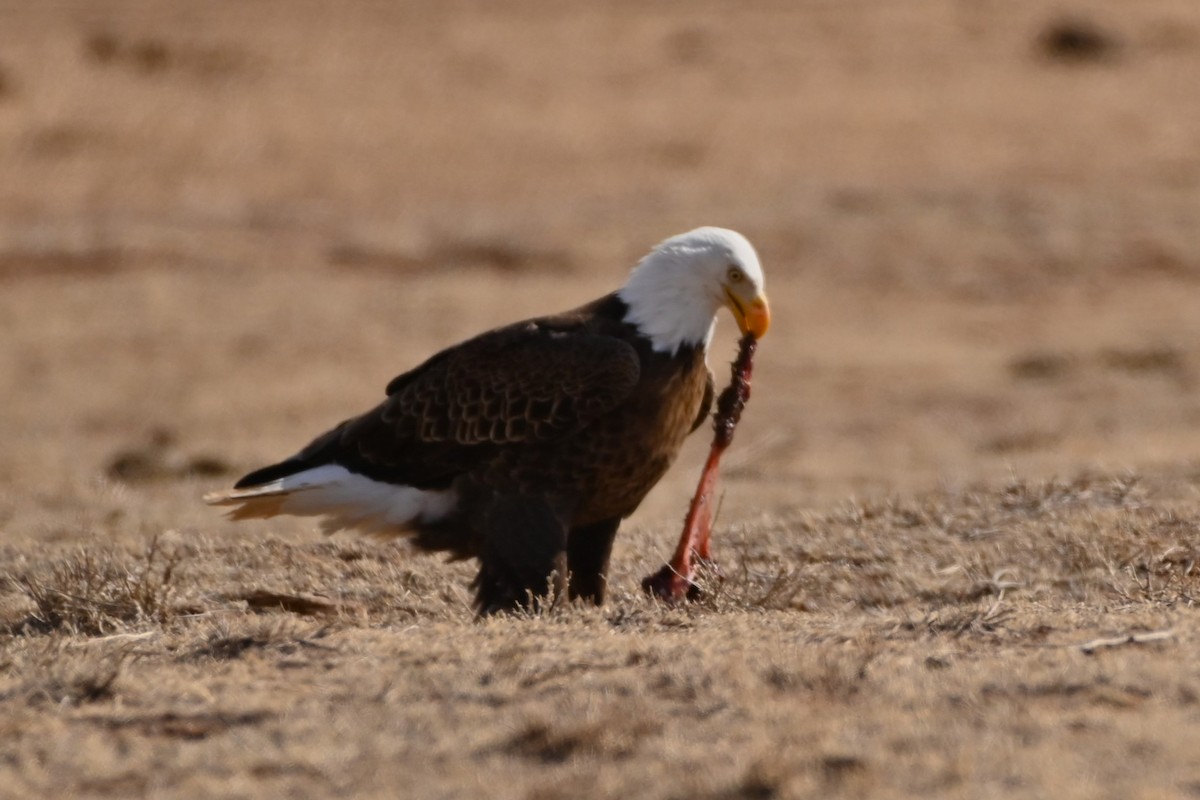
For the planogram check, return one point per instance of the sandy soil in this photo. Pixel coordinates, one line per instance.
(973, 446)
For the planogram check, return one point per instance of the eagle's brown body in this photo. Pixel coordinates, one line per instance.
(548, 432)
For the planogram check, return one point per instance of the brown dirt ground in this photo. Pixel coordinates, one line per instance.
(974, 444)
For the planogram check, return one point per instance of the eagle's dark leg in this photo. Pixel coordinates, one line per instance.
(523, 557)
(588, 549)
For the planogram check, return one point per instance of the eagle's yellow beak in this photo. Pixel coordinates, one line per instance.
(753, 317)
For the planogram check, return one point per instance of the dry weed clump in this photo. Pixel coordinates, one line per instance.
(54, 673)
(98, 590)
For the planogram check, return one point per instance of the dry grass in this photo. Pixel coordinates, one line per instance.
(1001, 641)
(93, 592)
(960, 531)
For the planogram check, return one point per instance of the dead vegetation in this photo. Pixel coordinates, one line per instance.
(839, 651)
(97, 590)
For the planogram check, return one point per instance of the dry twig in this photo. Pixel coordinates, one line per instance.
(1120, 641)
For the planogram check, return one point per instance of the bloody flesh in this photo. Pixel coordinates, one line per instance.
(676, 580)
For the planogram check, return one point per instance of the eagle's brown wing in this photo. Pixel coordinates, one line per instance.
(516, 386)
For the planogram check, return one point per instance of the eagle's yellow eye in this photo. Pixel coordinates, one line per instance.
(734, 275)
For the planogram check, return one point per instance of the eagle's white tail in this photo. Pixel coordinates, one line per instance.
(344, 498)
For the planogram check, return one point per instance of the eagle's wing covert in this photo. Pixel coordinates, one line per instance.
(522, 384)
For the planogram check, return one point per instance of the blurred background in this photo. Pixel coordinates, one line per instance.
(224, 226)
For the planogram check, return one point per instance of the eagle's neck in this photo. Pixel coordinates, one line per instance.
(669, 306)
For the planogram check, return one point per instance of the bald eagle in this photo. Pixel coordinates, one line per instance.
(526, 446)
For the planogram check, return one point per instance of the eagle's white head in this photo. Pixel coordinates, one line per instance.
(674, 293)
